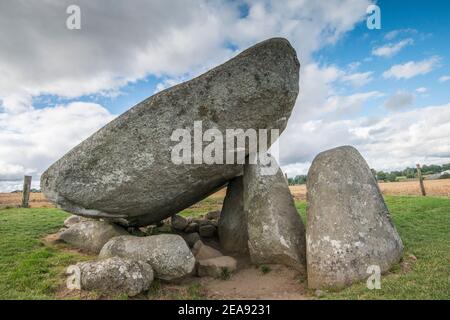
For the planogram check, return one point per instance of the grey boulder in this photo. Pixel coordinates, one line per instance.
(91, 235)
(216, 267)
(111, 276)
(124, 172)
(232, 228)
(202, 251)
(190, 238)
(73, 219)
(207, 230)
(168, 254)
(349, 228)
(276, 233)
(178, 222)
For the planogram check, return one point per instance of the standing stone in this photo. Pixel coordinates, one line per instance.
(168, 254)
(91, 235)
(124, 172)
(111, 276)
(276, 233)
(349, 227)
(233, 235)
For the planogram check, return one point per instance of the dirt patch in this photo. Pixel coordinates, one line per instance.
(252, 283)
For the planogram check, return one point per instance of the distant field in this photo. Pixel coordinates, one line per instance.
(434, 188)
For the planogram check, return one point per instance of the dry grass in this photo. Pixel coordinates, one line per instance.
(37, 200)
(434, 188)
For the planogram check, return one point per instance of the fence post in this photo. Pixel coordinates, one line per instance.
(419, 174)
(26, 191)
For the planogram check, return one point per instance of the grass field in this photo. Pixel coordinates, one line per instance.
(30, 269)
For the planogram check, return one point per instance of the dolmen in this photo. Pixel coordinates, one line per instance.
(134, 175)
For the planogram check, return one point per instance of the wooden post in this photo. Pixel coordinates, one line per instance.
(419, 174)
(26, 191)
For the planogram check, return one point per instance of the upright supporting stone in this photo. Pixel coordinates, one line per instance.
(232, 228)
(349, 230)
(26, 191)
(275, 230)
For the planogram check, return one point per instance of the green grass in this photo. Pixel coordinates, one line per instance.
(31, 270)
(424, 226)
(28, 268)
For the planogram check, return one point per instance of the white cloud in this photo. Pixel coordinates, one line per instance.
(444, 78)
(391, 35)
(119, 43)
(389, 143)
(421, 90)
(412, 68)
(399, 100)
(358, 79)
(30, 141)
(391, 49)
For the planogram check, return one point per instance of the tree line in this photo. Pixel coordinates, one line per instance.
(392, 176)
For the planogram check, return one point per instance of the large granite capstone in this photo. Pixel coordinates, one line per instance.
(124, 171)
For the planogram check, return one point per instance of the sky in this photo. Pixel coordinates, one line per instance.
(384, 91)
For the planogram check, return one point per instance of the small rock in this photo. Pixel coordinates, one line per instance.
(191, 227)
(191, 238)
(213, 215)
(207, 230)
(216, 267)
(319, 293)
(73, 219)
(168, 254)
(136, 232)
(178, 222)
(201, 251)
(91, 235)
(111, 276)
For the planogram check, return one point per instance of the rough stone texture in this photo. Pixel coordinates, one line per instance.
(115, 276)
(91, 235)
(191, 227)
(207, 230)
(178, 222)
(168, 254)
(232, 227)
(70, 221)
(191, 238)
(215, 267)
(124, 171)
(349, 226)
(213, 215)
(201, 251)
(275, 230)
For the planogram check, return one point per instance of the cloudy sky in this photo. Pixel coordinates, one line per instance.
(385, 91)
